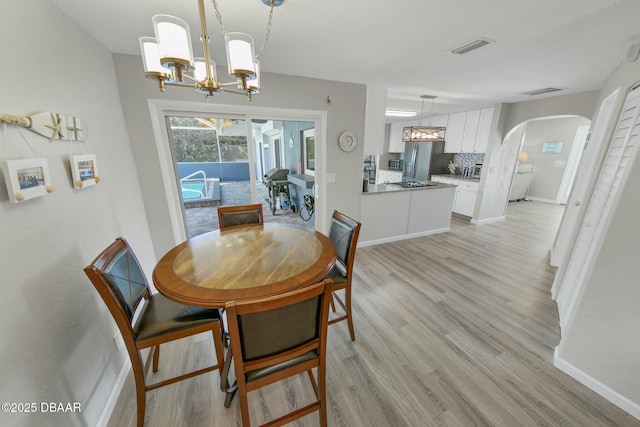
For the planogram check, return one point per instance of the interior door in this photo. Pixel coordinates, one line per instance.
(572, 164)
(602, 127)
(611, 178)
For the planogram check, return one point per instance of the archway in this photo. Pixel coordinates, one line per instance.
(545, 163)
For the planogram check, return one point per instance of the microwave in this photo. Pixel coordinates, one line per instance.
(395, 165)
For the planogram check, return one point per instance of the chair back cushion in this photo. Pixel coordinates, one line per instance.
(126, 279)
(341, 234)
(266, 333)
(231, 216)
(231, 219)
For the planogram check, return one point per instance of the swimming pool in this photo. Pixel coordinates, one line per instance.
(193, 190)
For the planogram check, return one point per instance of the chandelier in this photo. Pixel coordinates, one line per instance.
(168, 57)
(424, 133)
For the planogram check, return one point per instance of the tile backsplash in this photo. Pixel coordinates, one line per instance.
(463, 160)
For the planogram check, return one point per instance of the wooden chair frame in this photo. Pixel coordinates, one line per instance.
(222, 210)
(234, 310)
(346, 285)
(95, 273)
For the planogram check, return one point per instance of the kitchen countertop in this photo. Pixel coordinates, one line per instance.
(301, 180)
(387, 188)
(458, 177)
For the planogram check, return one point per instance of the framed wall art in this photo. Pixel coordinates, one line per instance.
(27, 178)
(84, 169)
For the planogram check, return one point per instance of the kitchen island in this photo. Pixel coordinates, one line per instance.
(390, 212)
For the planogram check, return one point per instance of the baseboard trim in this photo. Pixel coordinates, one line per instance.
(488, 220)
(113, 397)
(540, 199)
(608, 393)
(402, 237)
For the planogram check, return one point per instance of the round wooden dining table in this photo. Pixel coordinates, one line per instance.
(242, 263)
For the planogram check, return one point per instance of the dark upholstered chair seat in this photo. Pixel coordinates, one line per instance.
(336, 276)
(162, 316)
(259, 373)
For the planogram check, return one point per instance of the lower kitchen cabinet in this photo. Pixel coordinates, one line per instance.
(464, 202)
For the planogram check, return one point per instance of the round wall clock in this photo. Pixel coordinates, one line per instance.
(348, 141)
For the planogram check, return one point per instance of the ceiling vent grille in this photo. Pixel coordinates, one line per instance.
(541, 91)
(472, 45)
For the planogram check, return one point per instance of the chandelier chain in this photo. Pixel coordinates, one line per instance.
(268, 33)
(218, 17)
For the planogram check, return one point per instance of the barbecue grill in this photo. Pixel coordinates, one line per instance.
(276, 181)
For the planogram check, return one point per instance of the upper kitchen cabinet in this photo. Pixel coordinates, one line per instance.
(374, 120)
(437, 121)
(468, 132)
(454, 134)
(396, 145)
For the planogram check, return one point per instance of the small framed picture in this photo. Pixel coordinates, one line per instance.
(27, 178)
(84, 169)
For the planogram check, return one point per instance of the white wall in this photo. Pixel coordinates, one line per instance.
(345, 112)
(547, 175)
(56, 336)
(600, 345)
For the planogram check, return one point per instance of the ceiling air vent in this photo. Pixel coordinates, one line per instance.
(541, 91)
(472, 45)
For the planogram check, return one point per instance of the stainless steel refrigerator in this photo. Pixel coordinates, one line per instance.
(423, 159)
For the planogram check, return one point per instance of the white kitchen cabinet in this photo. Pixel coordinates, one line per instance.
(396, 144)
(470, 131)
(464, 202)
(466, 195)
(388, 176)
(395, 137)
(455, 132)
(374, 119)
(437, 121)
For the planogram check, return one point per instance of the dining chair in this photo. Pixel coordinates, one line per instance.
(239, 215)
(343, 232)
(146, 320)
(278, 337)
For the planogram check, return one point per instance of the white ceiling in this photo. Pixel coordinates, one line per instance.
(404, 44)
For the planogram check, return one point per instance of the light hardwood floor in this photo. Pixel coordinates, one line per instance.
(455, 329)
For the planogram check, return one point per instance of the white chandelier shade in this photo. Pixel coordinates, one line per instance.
(200, 69)
(175, 41)
(150, 48)
(241, 56)
(253, 84)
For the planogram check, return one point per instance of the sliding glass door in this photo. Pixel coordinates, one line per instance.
(222, 160)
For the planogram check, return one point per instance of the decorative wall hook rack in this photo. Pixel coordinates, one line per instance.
(50, 125)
